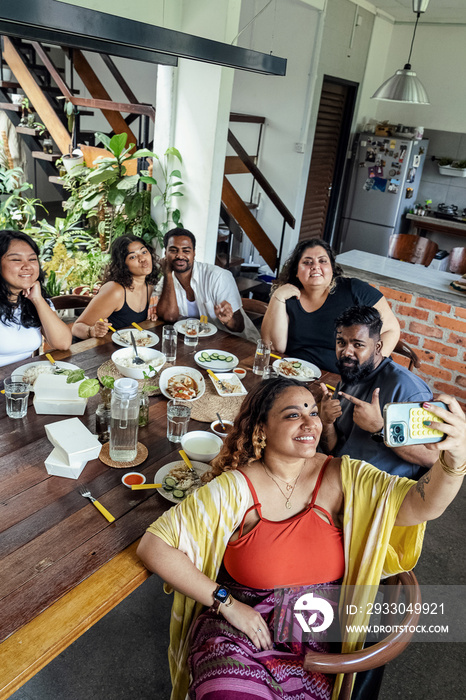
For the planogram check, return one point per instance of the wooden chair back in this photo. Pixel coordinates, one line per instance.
(379, 654)
(402, 348)
(411, 248)
(255, 309)
(458, 261)
(71, 301)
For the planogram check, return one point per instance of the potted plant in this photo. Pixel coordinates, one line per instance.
(73, 161)
(452, 168)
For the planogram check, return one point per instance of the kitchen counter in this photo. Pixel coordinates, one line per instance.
(431, 223)
(402, 276)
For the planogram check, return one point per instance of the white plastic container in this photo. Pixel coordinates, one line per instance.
(57, 467)
(53, 396)
(73, 441)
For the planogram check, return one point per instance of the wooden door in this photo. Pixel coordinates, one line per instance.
(328, 158)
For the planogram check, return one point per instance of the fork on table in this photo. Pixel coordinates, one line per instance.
(84, 491)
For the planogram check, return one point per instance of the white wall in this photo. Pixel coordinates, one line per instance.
(439, 57)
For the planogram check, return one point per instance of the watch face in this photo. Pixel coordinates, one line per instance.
(222, 594)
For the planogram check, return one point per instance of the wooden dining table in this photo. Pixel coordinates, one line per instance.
(63, 566)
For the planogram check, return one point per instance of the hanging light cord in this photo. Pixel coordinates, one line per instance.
(408, 64)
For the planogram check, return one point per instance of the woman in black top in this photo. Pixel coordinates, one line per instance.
(310, 293)
(125, 295)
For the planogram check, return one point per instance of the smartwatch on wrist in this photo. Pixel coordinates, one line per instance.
(222, 596)
(378, 436)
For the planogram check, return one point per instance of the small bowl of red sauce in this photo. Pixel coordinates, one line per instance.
(216, 427)
(240, 372)
(133, 478)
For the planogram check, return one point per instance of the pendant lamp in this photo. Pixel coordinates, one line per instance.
(405, 86)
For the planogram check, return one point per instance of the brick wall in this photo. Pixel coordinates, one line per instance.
(437, 332)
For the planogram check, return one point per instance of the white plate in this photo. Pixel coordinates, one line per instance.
(211, 330)
(190, 371)
(17, 374)
(200, 468)
(154, 339)
(217, 365)
(309, 365)
(233, 378)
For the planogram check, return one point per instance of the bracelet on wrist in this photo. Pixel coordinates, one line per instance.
(89, 331)
(458, 471)
(283, 301)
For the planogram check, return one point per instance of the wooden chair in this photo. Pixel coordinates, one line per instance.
(71, 301)
(458, 261)
(255, 309)
(379, 654)
(411, 248)
(402, 348)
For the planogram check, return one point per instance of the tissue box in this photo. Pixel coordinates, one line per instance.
(53, 396)
(73, 441)
(56, 467)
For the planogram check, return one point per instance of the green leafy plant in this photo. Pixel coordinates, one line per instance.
(146, 388)
(53, 285)
(166, 186)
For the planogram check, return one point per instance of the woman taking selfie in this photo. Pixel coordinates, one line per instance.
(25, 312)
(125, 295)
(310, 294)
(280, 514)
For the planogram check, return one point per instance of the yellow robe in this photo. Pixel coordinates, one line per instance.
(202, 525)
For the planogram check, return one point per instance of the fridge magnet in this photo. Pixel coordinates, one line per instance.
(386, 143)
(421, 151)
(370, 155)
(380, 184)
(390, 153)
(395, 165)
(416, 161)
(411, 175)
(403, 149)
(368, 184)
(392, 172)
(362, 165)
(409, 192)
(371, 172)
(393, 186)
(398, 172)
(395, 155)
(383, 163)
(392, 145)
(379, 169)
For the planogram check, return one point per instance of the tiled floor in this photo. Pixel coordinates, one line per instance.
(124, 656)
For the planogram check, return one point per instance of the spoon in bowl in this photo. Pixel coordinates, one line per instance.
(136, 359)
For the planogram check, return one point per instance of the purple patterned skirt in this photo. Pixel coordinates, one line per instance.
(225, 664)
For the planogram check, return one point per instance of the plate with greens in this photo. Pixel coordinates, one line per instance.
(28, 373)
(216, 360)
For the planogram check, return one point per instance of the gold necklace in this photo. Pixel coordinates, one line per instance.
(287, 497)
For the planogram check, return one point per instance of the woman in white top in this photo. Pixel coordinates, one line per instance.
(25, 312)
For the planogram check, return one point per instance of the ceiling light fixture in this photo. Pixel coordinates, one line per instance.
(405, 86)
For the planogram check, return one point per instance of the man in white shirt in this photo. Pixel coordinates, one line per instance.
(190, 288)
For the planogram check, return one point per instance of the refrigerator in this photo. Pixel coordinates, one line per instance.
(385, 176)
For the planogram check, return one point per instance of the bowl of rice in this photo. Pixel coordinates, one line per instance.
(123, 361)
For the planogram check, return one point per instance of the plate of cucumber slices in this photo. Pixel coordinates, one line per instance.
(216, 360)
(177, 481)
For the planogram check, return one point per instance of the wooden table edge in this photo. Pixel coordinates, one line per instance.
(35, 644)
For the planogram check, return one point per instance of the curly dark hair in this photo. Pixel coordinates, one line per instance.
(117, 270)
(29, 318)
(288, 274)
(238, 448)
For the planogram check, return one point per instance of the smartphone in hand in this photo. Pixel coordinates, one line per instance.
(403, 424)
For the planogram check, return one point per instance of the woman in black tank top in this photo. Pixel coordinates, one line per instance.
(124, 297)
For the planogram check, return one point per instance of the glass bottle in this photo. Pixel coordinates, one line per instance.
(143, 410)
(124, 420)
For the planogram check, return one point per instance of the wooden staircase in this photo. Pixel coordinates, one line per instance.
(236, 214)
(45, 87)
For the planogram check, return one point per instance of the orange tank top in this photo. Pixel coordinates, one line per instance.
(301, 550)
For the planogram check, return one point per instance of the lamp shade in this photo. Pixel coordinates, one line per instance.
(404, 86)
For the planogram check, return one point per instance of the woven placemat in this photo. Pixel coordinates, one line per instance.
(109, 369)
(104, 457)
(206, 408)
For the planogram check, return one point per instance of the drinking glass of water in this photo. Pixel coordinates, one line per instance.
(262, 356)
(178, 415)
(169, 342)
(17, 395)
(191, 332)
